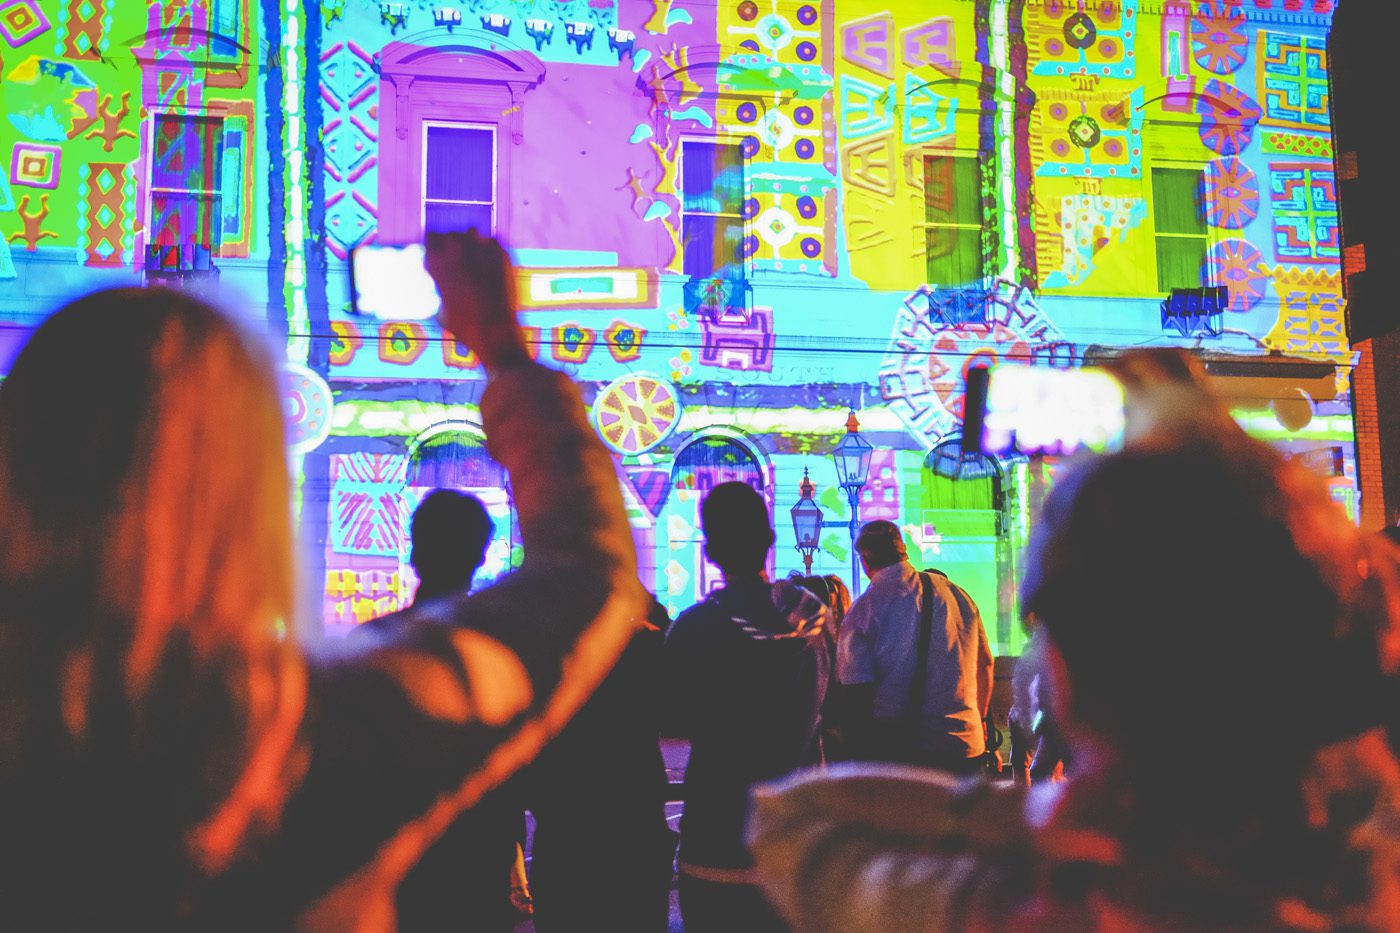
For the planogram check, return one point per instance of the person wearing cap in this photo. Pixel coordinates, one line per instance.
(894, 706)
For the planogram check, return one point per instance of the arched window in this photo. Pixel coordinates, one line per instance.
(701, 465)
(708, 461)
(454, 459)
(454, 456)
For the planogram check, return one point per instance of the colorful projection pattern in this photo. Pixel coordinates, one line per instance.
(900, 190)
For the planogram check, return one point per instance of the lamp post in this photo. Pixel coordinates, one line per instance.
(852, 456)
(807, 522)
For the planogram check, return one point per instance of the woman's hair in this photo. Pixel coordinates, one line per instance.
(146, 582)
(840, 601)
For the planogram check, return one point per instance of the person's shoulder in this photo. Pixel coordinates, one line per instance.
(378, 629)
(702, 616)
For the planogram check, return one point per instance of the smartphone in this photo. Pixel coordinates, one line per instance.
(1018, 409)
(392, 282)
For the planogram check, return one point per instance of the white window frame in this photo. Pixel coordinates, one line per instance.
(156, 114)
(680, 184)
(423, 198)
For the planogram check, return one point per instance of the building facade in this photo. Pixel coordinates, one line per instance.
(735, 223)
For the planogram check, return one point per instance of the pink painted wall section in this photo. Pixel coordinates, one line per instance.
(576, 174)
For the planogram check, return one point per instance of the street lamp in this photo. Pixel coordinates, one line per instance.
(852, 456)
(807, 522)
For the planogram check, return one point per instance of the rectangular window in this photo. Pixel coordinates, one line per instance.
(186, 187)
(225, 27)
(459, 178)
(712, 198)
(1181, 232)
(952, 220)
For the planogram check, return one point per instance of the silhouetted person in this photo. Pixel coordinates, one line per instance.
(747, 670)
(462, 882)
(603, 852)
(450, 532)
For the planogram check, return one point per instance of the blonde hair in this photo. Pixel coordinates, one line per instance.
(145, 553)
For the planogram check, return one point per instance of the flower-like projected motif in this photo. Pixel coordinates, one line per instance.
(1228, 117)
(1080, 31)
(636, 412)
(1232, 193)
(1236, 264)
(309, 405)
(1084, 130)
(1218, 40)
(774, 32)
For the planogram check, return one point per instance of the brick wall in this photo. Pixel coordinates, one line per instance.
(1368, 442)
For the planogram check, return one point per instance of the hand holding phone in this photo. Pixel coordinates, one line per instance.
(477, 283)
(1040, 410)
(392, 283)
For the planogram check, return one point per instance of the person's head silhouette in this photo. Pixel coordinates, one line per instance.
(738, 534)
(450, 532)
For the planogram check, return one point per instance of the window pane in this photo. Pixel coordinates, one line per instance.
(456, 218)
(954, 256)
(1179, 262)
(187, 152)
(224, 25)
(712, 177)
(1176, 200)
(952, 190)
(460, 164)
(711, 245)
(185, 219)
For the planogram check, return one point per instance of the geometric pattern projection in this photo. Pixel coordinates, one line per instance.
(364, 507)
(636, 412)
(35, 165)
(1089, 134)
(1304, 196)
(923, 374)
(1082, 38)
(106, 213)
(350, 93)
(1219, 41)
(1231, 193)
(782, 121)
(1292, 80)
(1312, 315)
(85, 25)
(21, 21)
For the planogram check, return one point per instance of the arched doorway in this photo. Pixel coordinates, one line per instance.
(453, 455)
(717, 456)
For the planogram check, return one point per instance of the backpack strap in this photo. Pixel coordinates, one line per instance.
(918, 684)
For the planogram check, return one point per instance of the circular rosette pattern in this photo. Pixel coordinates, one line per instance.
(636, 412)
(1238, 265)
(1232, 193)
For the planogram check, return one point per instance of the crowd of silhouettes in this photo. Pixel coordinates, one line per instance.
(178, 750)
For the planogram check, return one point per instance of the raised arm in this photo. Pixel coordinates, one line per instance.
(414, 729)
(569, 610)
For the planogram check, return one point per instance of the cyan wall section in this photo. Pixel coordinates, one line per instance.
(734, 222)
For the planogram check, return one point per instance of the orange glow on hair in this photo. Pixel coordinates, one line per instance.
(144, 481)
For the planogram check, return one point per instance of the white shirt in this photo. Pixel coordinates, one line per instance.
(876, 645)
